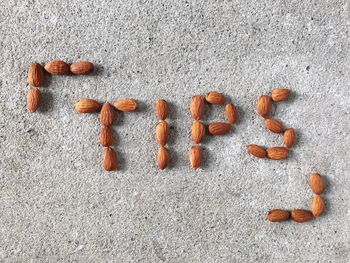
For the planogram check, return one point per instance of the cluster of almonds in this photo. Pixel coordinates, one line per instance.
(55, 67)
(263, 107)
(107, 116)
(162, 133)
(197, 109)
(317, 184)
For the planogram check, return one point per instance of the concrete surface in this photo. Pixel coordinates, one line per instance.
(58, 205)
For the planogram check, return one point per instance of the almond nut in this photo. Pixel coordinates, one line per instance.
(231, 113)
(317, 183)
(197, 107)
(277, 153)
(280, 94)
(107, 114)
(110, 161)
(35, 75)
(163, 157)
(289, 137)
(300, 215)
(162, 132)
(198, 131)
(274, 125)
(318, 205)
(264, 105)
(219, 128)
(215, 97)
(82, 68)
(126, 105)
(87, 106)
(195, 155)
(33, 99)
(57, 67)
(162, 109)
(257, 150)
(278, 215)
(106, 137)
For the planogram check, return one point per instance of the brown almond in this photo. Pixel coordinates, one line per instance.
(126, 105)
(280, 94)
(195, 155)
(163, 158)
(317, 183)
(110, 161)
(264, 105)
(87, 106)
(219, 128)
(274, 125)
(301, 215)
(257, 150)
(35, 75)
(57, 67)
(215, 97)
(289, 137)
(277, 153)
(231, 113)
(318, 205)
(82, 68)
(107, 114)
(106, 137)
(198, 131)
(162, 132)
(33, 99)
(162, 109)
(278, 215)
(197, 107)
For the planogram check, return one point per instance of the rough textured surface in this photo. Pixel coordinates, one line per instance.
(58, 205)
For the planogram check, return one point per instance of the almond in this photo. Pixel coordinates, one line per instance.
(278, 215)
(87, 106)
(126, 105)
(198, 131)
(219, 128)
(197, 107)
(257, 150)
(215, 97)
(231, 113)
(277, 153)
(163, 157)
(57, 67)
(162, 109)
(289, 137)
(107, 114)
(300, 215)
(317, 183)
(280, 94)
(318, 205)
(106, 137)
(264, 105)
(35, 75)
(195, 155)
(33, 99)
(110, 161)
(162, 132)
(82, 68)
(274, 125)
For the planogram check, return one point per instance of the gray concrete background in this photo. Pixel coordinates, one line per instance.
(58, 205)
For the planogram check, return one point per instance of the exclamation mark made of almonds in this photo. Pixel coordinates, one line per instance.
(162, 133)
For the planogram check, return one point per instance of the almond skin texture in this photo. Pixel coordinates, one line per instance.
(57, 67)
(317, 205)
(198, 131)
(163, 158)
(107, 114)
(195, 155)
(277, 153)
(162, 109)
(106, 137)
(264, 105)
(301, 216)
(219, 128)
(33, 99)
(162, 132)
(280, 94)
(257, 150)
(215, 97)
(317, 183)
(274, 125)
(289, 137)
(278, 215)
(197, 107)
(87, 106)
(110, 161)
(82, 68)
(35, 75)
(231, 113)
(126, 105)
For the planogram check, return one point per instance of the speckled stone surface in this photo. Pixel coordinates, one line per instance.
(58, 205)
